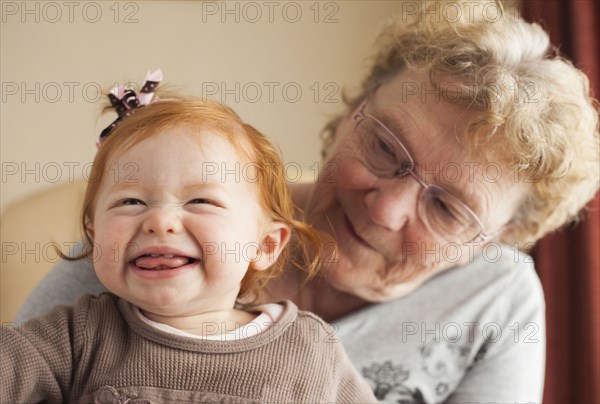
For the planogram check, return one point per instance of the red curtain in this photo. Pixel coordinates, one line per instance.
(568, 262)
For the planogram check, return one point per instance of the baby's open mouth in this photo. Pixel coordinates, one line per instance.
(158, 262)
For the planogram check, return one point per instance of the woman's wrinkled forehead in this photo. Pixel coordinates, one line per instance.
(435, 133)
(412, 102)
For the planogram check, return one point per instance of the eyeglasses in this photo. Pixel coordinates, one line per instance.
(385, 156)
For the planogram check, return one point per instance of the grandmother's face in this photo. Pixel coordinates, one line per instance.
(386, 246)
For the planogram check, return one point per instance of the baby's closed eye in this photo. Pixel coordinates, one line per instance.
(204, 201)
(131, 201)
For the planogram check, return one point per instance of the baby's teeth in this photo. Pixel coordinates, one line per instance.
(164, 255)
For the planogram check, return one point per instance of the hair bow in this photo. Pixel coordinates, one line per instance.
(127, 101)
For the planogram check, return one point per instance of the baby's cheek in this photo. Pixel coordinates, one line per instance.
(102, 265)
(111, 248)
(102, 257)
(110, 267)
(230, 251)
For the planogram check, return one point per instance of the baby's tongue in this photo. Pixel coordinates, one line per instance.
(160, 262)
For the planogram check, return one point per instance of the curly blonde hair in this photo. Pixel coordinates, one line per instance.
(534, 105)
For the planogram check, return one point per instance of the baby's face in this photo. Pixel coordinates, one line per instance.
(177, 223)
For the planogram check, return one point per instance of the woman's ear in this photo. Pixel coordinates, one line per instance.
(275, 238)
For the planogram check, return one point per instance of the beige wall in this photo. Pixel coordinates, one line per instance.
(57, 55)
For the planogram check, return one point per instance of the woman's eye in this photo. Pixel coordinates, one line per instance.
(444, 208)
(386, 148)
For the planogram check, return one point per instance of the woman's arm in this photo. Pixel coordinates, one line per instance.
(511, 368)
(63, 285)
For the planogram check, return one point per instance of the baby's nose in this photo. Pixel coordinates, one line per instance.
(163, 220)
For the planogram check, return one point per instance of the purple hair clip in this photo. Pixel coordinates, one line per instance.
(126, 101)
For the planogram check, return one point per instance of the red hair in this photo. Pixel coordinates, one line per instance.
(253, 146)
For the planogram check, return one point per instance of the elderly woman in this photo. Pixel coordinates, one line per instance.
(468, 141)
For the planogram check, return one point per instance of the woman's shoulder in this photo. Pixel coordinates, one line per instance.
(498, 266)
(497, 280)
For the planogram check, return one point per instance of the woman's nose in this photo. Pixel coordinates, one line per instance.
(393, 202)
(162, 221)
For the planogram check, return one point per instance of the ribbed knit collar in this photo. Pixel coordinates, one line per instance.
(288, 317)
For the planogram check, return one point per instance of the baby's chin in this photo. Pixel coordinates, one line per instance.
(164, 303)
(158, 313)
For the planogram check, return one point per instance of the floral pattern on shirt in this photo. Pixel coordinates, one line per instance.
(442, 362)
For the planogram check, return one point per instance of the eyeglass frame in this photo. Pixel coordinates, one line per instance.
(360, 115)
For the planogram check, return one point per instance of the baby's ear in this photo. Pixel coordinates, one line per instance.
(276, 236)
(89, 229)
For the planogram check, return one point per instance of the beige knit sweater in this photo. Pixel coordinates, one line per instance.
(99, 351)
